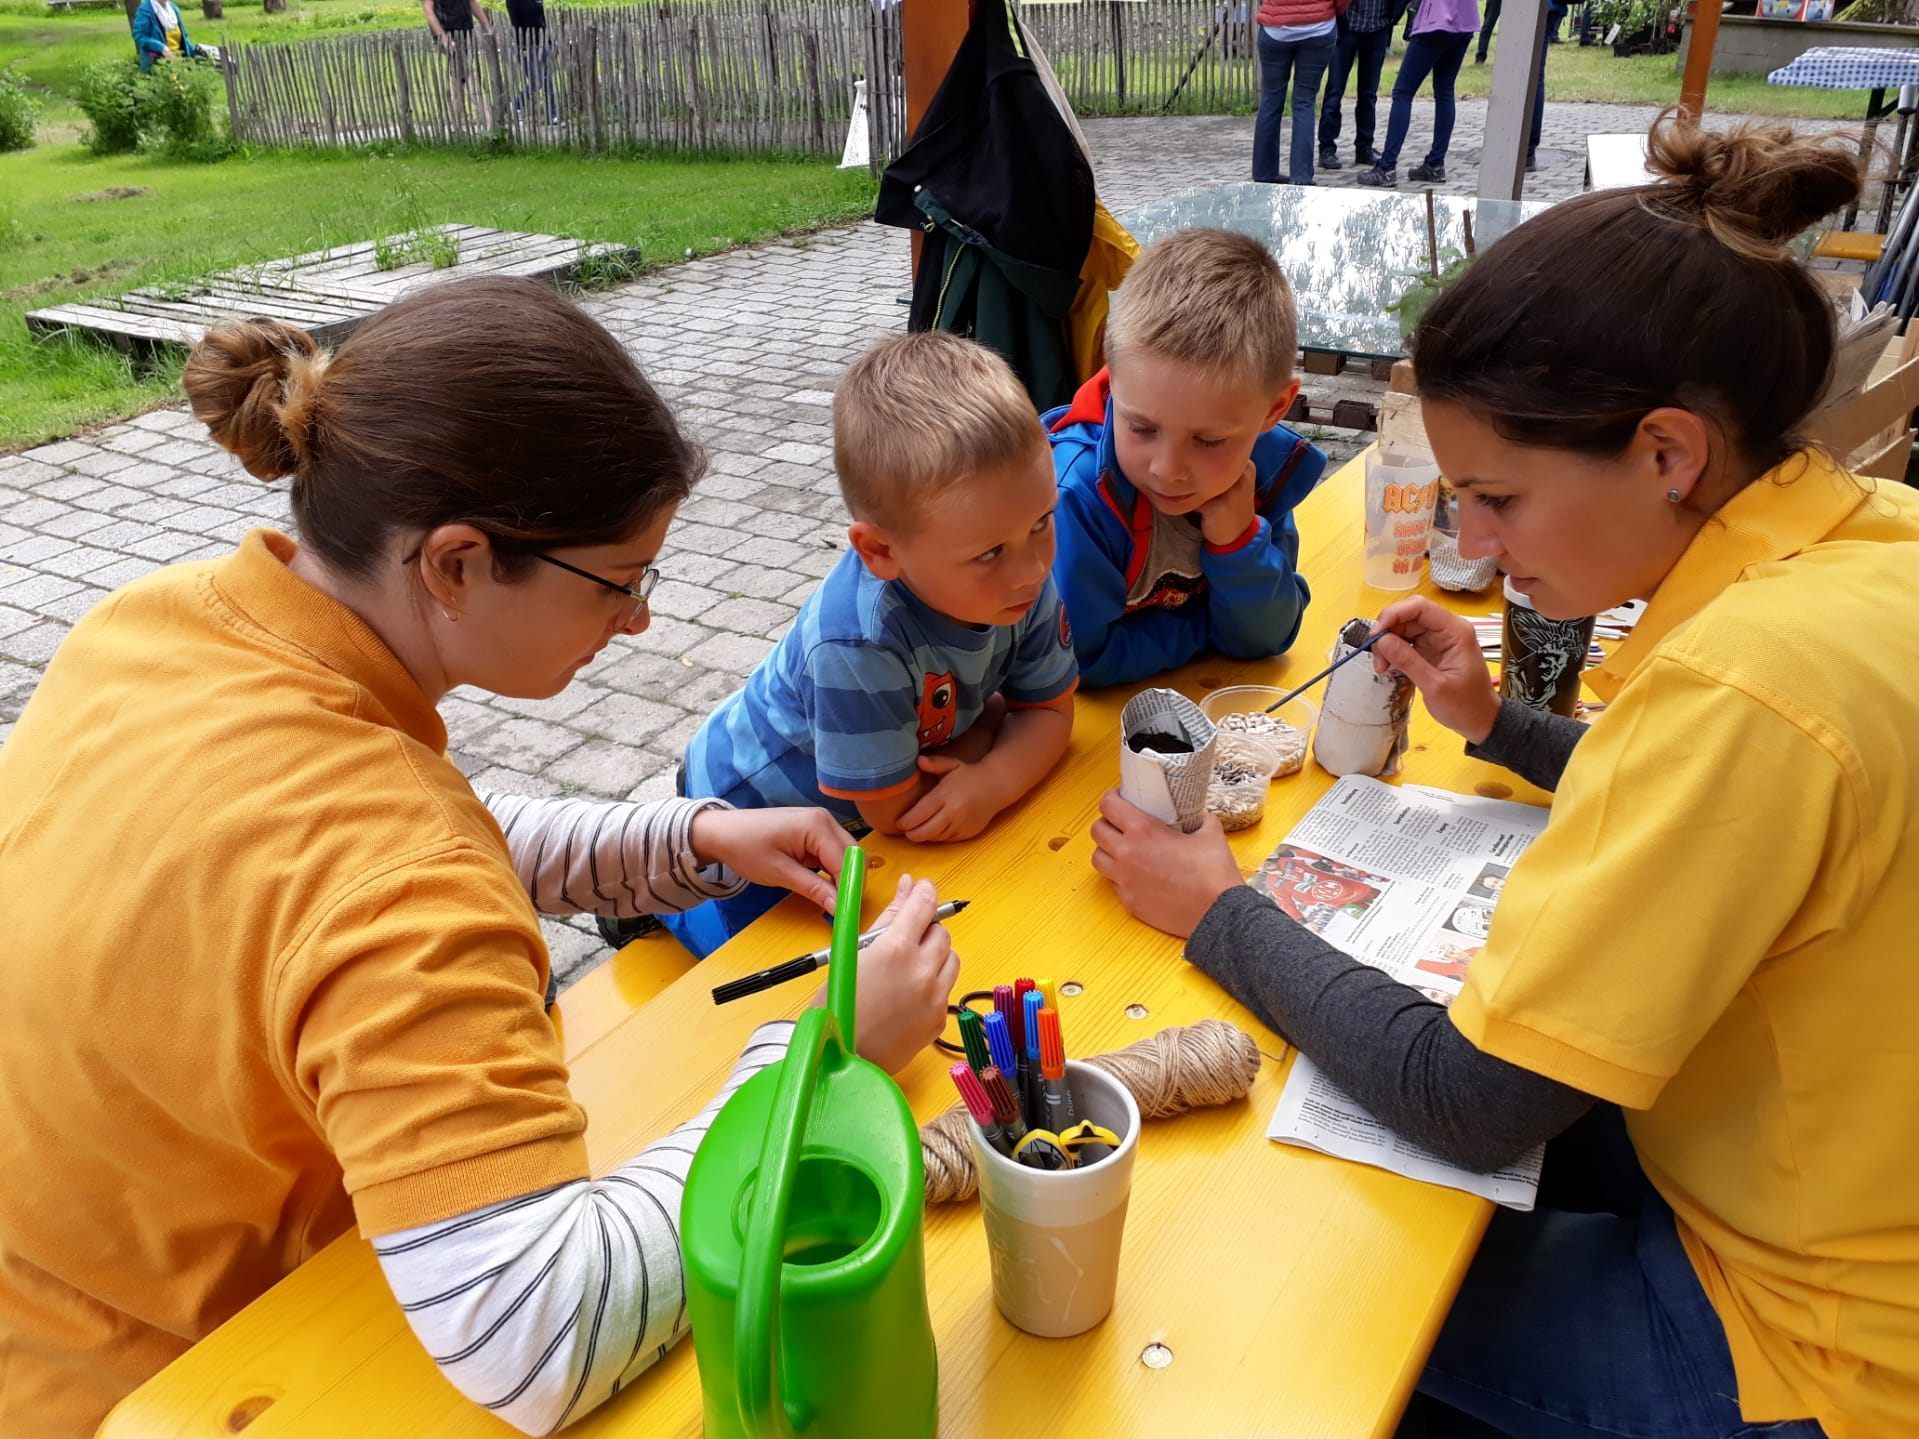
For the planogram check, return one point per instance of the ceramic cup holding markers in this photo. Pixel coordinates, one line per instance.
(1053, 1236)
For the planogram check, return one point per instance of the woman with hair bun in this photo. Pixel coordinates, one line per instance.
(273, 967)
(1700, 984)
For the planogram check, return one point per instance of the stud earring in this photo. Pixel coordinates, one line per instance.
(451, 618)
(1672, 496)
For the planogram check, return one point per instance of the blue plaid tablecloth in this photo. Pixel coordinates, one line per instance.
(1841, 67)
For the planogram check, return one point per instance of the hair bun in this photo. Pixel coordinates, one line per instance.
(1754, 186)
(255, 384)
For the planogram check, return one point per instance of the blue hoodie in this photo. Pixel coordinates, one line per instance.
(1245, 600)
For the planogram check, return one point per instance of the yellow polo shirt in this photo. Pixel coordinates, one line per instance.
(267, 971)
(1719, 930)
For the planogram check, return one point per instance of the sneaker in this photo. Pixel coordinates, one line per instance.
(618, 933)
(1427, 174)
(1379, 178)
(1328, 158)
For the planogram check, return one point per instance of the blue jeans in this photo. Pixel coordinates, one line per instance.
(1438, 53)
(1306, 63)
(1584, 1318)
(1369, 51)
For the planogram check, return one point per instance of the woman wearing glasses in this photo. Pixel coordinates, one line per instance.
(273, 969)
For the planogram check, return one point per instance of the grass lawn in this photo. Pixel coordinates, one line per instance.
(73, 224)
(1593, 73)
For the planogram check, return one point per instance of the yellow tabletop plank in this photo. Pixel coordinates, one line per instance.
(1297, 1293)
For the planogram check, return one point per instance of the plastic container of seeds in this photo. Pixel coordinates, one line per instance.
(1243, 770)
(1241, 710)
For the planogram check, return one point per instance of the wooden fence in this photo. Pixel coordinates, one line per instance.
(751, 75)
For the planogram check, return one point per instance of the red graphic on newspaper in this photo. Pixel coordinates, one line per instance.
(1313, 889)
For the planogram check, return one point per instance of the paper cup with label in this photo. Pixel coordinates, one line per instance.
(1540, 660)
(1053, 1236)
(1166, 757)
(1400, 493)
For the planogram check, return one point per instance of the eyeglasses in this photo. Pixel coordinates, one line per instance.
(636, 592)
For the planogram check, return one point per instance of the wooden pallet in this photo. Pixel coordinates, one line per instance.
(327, 293)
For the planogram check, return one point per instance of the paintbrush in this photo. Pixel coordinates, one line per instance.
(1291, 695)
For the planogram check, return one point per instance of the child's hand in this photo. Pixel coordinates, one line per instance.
(959, 806)
(1227, 516)
(784, 847)
(1439, 653)
(906, 978)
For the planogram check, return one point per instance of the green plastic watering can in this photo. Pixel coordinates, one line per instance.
(805, 1263)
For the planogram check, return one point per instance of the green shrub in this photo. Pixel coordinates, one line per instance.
(177, 112)
(168, 110)
(112, 97)
(19, 112)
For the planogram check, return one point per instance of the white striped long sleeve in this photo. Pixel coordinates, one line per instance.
(540, 1308)
(610, 857)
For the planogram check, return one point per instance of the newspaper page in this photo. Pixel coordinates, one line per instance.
(1404, 878)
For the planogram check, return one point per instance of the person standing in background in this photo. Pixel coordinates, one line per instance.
(528, 18)
(1365, 34)
(1486, 30)
(1440, 34)
(1297, 42)
(160, 34)
(452, 22)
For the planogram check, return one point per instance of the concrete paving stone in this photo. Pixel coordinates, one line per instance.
(34, 512)
(467, 714)
(115, 575)
(528, 744)
(101, 462)
(674, 640)
(111, 497)
(59, 454)
(69, 525)
(162, 546)
(800, 593)
(131, 441)
(68, 487)
(671, 742)
(19, 472)
(745, 615)
(513, 781)
(603, 769)
(30, 550)
(570, 952)
(734, 653)
(119, 535)
(677, 601)
(757, 581)
(704, 539)
(560, 707)
(626, 718)
(182, 452)
(706, 508)
(156, 511)
(159, 420)
(79, 562)
(658, 785)
(634, 671)
(73, 606)
(33, 646)
(13, 620)
(781, 554)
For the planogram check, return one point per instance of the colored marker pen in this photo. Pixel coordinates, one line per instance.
(1055, 1098)
(999, 1045)
(1005, 1106)
(1030, 1004)
(973, 1093)
(973, 1040)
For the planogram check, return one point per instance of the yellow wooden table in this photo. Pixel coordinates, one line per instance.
(1297, 1294)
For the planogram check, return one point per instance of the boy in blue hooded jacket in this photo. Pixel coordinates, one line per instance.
(1177, 481)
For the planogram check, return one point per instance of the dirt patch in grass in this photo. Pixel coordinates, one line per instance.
(112, 192)
(79, 275)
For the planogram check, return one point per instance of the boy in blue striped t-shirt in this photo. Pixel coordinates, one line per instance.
(927, 683)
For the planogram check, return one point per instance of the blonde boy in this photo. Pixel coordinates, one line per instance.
(927, 683)
(1176, 478)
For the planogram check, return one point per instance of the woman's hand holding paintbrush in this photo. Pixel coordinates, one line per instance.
(1439, 652)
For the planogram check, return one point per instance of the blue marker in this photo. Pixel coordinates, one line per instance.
(1030, 1005)
(999, 1043)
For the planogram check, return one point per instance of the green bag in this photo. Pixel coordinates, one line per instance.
(808, 1295)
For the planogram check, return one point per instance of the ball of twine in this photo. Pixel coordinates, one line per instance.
(1181, 1068)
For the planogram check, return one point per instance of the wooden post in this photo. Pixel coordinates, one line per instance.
(1699, 48)
(406, 90)
(274, 7)
(213, 9)
(1119, 57)
(593, 81)
(234, 127)
(1509, 112)
(814, 98)
(498, 72)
